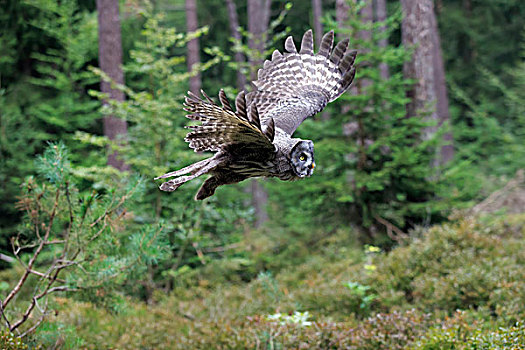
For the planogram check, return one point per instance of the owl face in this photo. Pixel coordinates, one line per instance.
(302, 158)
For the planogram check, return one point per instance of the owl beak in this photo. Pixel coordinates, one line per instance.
(313, 166)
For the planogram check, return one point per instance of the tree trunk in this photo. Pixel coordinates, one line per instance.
(416, 32)
(447, 150)
(258, 19)
(342, 9)
(317, 11)
(236, 34)
(365, 35)
(110, 61)
(341, 15)
(428, 94)
(381, 15)
(193, 55)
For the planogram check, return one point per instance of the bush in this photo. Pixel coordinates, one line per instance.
(467, 265)
(459, 333)
(383, 331)
(313, 305)
(8, 341)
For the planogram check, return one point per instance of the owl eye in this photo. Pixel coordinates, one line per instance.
(302, 158)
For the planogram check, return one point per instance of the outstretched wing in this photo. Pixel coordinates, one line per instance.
(295, 85)
(223, 129)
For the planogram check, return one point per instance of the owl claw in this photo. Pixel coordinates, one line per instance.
(170, 186)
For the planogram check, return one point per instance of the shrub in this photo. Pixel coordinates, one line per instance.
(469, 264)
(8, 341)
(382, 331)
(459, 333)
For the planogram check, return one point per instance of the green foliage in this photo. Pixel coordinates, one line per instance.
(271, 39)
(81, 242)
(470, 49)
(55, 41)
(56, 335)
(485, 77)
(372, 161)
(314, 308)
(460, 333)
(61, 70)
(155, 144)
(270, 285)
(360, 292)
(198, 264)
(54, 164)
(20, 138)
(470, 264)
(9, 341)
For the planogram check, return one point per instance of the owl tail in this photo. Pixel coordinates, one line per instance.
(195, 170)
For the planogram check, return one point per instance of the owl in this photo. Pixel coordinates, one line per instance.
(256, 139)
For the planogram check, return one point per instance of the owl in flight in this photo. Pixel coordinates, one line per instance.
(256, 139)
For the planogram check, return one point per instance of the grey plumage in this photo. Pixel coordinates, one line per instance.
(256, 138)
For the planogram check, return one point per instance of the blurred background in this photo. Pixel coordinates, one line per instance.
(410, 234)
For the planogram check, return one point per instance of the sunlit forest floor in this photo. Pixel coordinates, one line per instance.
(460, 285)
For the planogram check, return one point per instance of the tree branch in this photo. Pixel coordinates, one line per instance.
(22, 280)
(7, 258)
(400, 235)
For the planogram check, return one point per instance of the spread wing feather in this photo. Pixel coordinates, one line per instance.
(223, 129)
(295, 85)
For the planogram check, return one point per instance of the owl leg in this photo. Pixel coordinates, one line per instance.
(208, 188)
(190, 169)
(218, 179)
(196, 170)
(172, 185)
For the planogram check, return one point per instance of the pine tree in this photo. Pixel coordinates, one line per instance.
(70, 243)
(49, 101)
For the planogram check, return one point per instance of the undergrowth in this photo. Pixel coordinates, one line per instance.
(457, 286)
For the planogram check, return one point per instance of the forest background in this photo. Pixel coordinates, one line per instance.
(410, 234)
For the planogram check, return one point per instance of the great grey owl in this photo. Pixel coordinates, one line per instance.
(256, 138)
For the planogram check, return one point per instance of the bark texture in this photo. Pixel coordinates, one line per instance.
(417, 33)
(381, 15)
(447, 150)
(317, 11)
(110, 61)
(193, 53)
(365, 35)
(258, 20)
(236, 34)
(428, 94)
(341, 14)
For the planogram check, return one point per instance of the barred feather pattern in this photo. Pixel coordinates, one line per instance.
(243, 148)
(295, 85)
(255, 139)
(221, 128)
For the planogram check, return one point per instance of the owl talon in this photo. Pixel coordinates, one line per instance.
(169, 186)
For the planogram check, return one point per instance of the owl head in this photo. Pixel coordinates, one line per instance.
(302, 158)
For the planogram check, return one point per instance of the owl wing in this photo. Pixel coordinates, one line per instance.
(222, 129)
(295, 85)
